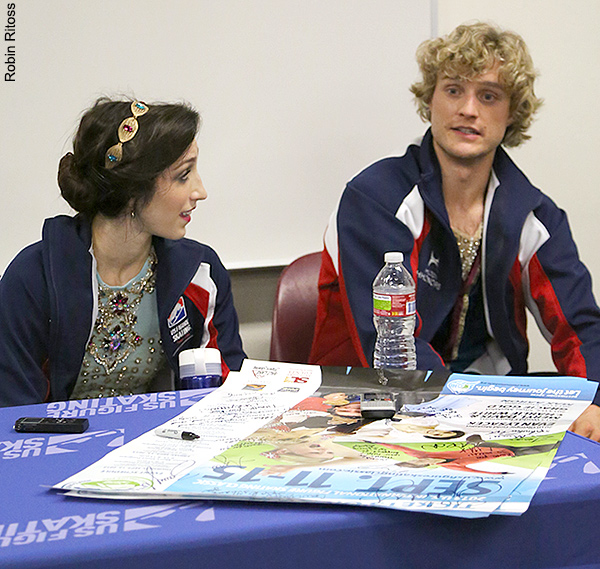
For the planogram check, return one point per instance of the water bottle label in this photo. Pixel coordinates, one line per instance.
(394, 304)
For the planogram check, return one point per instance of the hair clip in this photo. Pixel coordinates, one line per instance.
(126, 131)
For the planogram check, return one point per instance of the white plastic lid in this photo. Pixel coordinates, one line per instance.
(200, 361)
(393, 257)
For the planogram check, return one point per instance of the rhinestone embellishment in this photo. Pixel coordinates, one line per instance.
(114, 336)
(126, 131)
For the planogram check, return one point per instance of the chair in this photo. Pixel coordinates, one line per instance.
(295, 310)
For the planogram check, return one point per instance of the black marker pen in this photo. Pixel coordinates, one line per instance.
(176, 434)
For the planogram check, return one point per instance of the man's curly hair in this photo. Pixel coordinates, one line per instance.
(469, 51)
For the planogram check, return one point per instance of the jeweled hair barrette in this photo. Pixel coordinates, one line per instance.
(126, 131)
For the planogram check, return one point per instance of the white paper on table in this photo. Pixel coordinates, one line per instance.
(249, 399)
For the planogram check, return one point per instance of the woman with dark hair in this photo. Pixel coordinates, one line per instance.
(104, 303)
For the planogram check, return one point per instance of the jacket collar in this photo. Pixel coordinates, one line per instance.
(430, 183)
(514, 190)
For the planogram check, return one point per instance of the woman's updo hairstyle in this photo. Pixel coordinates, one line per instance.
(164, 134)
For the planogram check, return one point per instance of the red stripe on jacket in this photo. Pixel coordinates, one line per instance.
(332, 343)
(516, 280)
(566, 351)
(414, 265)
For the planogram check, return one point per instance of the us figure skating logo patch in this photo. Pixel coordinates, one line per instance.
(178, 314)
(179, 325)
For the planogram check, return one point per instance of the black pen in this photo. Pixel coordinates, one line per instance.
(176, 434)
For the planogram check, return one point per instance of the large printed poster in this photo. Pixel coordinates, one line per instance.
(479, 447)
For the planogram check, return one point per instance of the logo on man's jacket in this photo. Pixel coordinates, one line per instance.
(178, 322)
(429, 275)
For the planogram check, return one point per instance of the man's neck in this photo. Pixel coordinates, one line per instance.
(464, 186)
(120, 248)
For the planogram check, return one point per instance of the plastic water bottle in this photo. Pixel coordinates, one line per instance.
(394, 308)
(199, 368)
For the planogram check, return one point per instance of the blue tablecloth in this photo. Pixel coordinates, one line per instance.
(40, 528)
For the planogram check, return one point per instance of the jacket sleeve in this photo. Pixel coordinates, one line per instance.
(366, 228)
(226, 321)
(24, 331)
(558, 290)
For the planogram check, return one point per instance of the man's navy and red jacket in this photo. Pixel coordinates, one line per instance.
(529, 259)
(48, 308)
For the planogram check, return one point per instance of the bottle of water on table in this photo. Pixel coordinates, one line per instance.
(394, 308)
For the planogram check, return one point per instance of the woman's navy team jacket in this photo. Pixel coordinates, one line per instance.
(529, 259)
(48, 306)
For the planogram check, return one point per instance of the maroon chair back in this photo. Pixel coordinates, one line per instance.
(295, 310)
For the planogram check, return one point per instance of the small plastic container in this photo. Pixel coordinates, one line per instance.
(200, 368)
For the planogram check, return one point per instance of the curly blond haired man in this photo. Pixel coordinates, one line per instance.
(483, 244)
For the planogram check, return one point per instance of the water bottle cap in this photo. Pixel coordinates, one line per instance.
(200, 361)
(393, 257)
